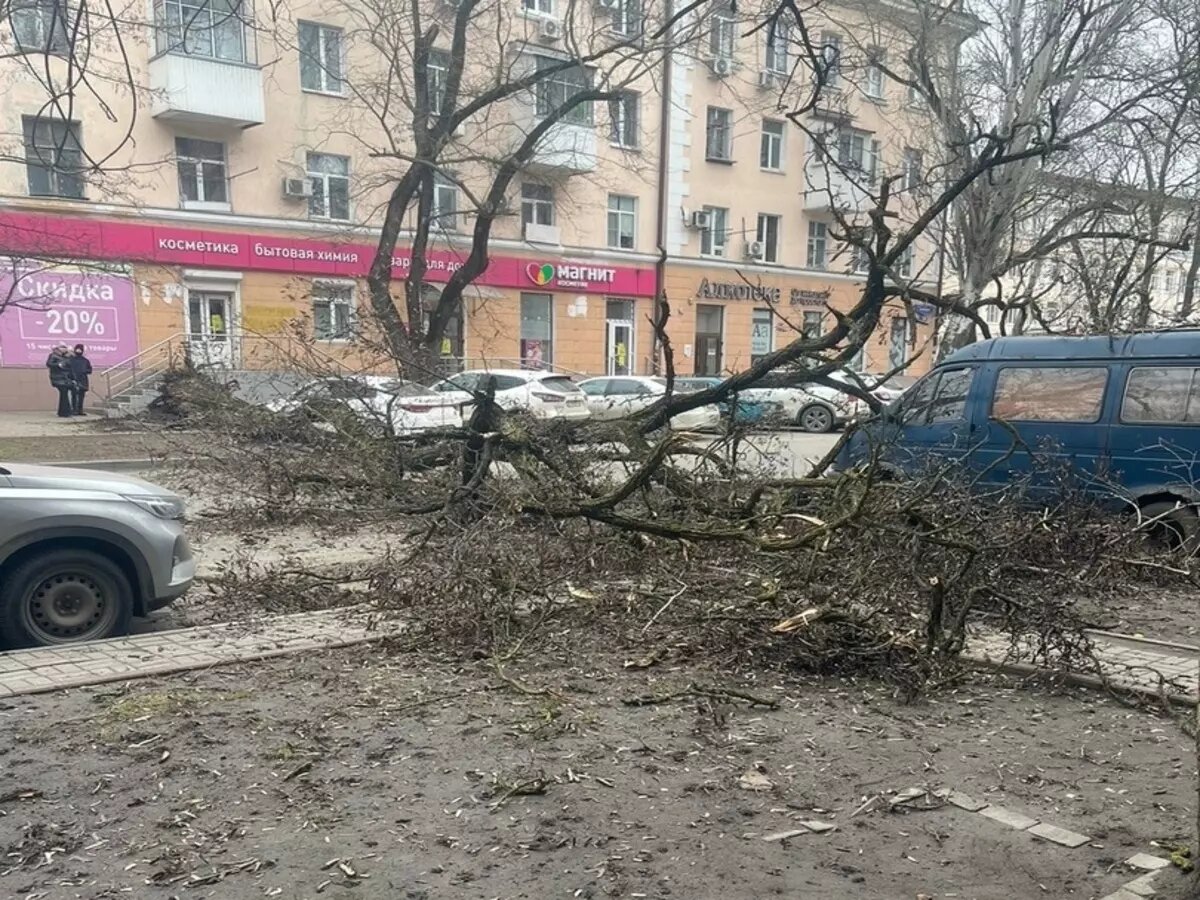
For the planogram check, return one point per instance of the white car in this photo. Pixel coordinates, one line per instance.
(546, 395)
(620, 396)
(408, 406)
(813, 407)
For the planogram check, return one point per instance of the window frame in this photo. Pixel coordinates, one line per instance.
(199, 163)
(756, 316)
(713, 116)
(874, 87)
(53, 21)
(443, 219)
(313, 174)
(818, 237)
(914, 168)
(767, 139)
(762, 234)
(624, 113)
(547, 359)
(627, 19)
(1107, 370)
(1193, 394)
(437, 69)
(163, 27)
(776, 56)
(532, 206)
(539, 8)
(578, 78)
(56, 174)
(722, 36)
(717, 248)
(323, 290)
(619, 216)
(325, 77)
(831, 54)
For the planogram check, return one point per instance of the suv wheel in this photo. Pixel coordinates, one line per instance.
(815, 418)
(1172, 526)
(64, 597)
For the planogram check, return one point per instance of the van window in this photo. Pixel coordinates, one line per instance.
(914, 405)
(1050, 394)
(950, 401)
(1162, 394)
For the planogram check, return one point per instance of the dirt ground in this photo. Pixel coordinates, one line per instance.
(368, 774)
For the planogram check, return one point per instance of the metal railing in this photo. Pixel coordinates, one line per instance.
(144, 366)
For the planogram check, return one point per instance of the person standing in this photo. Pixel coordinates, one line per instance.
(81, 368)
(59, 364)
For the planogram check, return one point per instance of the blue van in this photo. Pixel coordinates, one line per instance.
(1117, 412)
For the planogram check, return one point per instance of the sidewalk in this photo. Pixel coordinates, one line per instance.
(119, 659)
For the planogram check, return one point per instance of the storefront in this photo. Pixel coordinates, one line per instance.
(723, 318)
(228, 296)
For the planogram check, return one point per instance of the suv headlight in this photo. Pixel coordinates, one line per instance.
(163, 507)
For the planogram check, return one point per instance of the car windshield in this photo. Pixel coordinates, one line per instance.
(560, 383)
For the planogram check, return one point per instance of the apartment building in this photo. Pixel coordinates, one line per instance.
(232, 191)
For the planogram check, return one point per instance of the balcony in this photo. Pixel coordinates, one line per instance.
(567, 147)
(199, 90)
(828, 188)
(542, 234)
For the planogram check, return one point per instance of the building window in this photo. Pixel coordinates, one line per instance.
(214, 28)
(904, 265)
(813, 324)
(555, 90)
(718, 135)
(770, 154)
(330, 179)
(436, 72)
(874, 86)
(627, 18)
(777, 48)
(538, 7)
(537, 204)
(913, 169)
(537, 330)
(53, 158)
(858, 154)
(202, 174)
(622, 221)
(320, 58)
(898, 343)
(722, 34)
(333, 311)
(831, 55)
(768, 236)
(817, 240)
(623, 119)
(762, 334)
(444, 213)
(42, 26)
(712, 238)
(860, 259)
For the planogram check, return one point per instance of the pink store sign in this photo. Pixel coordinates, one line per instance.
(41, 309)
(128, 242)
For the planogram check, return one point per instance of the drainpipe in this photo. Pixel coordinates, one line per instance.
(664, 149)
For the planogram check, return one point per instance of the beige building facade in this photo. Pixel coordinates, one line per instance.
(232, 198)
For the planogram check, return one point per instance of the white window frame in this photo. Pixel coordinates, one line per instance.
(857, 152)
(532, 206)
(767, 140)
(624, 112)
(539, 8)
(627, 18)
(621, 218)
(327, 178)
(755, 317)
(437, 70)
(904, 265)
(712, 113)
(818, 245)
(776, 55)
(873, 85)
(770, 248)
(43, 26)
(914, 164)
(714, 240)
(165, 23)
(333, 85)
(831, 52)
(346, 302)
(444, 213)
(199, 162)
(722, 37)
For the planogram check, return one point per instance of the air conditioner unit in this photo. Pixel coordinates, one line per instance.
(754, 249)
(701, 219)
(767, 79)
(297, 188)
(550, 30)
(721, 66)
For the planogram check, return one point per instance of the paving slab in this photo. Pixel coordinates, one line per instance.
(1121, 894)
(119, 659)
(961, 800)
(1142, 886)
(1008, 817)
(1059, 835)
(1147, 861)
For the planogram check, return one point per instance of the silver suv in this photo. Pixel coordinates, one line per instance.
(83, 552)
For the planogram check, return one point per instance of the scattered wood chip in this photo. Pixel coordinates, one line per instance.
(303, 769)
(784, 835)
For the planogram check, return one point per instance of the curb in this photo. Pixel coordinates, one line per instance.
(1078, 679)
(106, 465)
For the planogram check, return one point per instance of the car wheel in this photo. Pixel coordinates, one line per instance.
(64, 597)
(1172, 526)
(815, 418)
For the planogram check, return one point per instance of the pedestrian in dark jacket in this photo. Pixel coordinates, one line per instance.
(81, 368)
(59, 364)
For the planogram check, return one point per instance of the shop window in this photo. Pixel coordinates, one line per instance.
(537, 329)
(762, 334)
(333, 311)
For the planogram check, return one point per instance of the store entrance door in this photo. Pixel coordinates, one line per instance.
(209, 334)
(710, 327)
(618, 343)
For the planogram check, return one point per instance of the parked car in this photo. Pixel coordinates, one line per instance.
(1121, 413)
(375, 401)
(620, 396)
(83, 552)
(746, 411)
(813, 407)
(546, 395)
